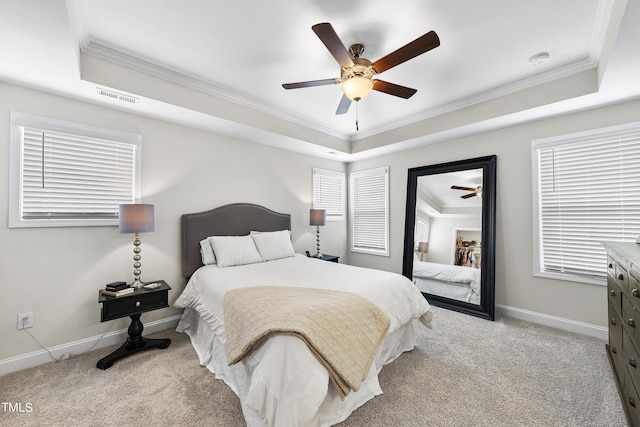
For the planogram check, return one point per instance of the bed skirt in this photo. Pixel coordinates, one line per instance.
(211, 351)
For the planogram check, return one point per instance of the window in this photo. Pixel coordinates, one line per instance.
(66, 174)
(329, 192)
(586, 190)
(370, 211)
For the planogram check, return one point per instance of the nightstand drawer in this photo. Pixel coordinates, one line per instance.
(140, 301)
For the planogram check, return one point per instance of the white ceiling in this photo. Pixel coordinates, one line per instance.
(436, 198)
(220, 65)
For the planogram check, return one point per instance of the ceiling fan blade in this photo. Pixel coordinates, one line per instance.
(417, 47)
(344, 105)
(311, 83)
(466, 196)
(393, 89)
(455, 187)
(328, 36)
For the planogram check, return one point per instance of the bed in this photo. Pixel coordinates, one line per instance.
(450, 281)
(282, 380)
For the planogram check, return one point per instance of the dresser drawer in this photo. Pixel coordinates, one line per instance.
(631, 360)
(622, 278)
(614, 294)
(611, 267)
(615, 344)
(632, 402)
(634, 290)
(615, 328)
(631, 320)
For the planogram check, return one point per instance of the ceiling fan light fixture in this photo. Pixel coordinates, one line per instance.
(357, 87)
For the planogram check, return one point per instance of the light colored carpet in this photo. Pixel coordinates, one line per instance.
(464, 372)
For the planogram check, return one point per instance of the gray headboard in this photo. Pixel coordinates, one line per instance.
(236, 219)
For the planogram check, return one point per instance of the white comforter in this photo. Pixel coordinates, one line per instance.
(281, 383)
(454, 274)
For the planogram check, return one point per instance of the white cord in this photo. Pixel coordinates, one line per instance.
(24, 322)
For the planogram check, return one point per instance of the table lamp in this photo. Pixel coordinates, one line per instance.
(423, 248)
(317, 217)
(136, 218)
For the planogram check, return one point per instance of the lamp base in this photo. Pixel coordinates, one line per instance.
(137, 284)
(318, 254)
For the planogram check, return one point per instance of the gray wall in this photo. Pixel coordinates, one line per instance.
(516, 287)
(56, 272)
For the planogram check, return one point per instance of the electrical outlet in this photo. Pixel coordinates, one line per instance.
(25, 320)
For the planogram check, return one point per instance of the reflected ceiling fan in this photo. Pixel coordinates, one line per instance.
(474, 191)
(356, 73)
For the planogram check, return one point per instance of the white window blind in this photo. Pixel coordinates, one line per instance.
(588, 191)
(329, 192)
(70, 174)
(370, 211)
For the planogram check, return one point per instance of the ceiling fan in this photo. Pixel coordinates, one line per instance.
(357, 73)
(474, 191)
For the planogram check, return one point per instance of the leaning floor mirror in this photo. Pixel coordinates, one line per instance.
(449, 243)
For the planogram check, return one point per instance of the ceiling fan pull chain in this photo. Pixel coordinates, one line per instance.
(357, 128)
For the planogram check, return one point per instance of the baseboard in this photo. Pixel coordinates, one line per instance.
(40, 357)
(553, 321)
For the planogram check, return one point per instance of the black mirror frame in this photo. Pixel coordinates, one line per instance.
(486, 308)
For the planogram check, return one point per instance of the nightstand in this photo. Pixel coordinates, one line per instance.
(133, 305)
(330, 258)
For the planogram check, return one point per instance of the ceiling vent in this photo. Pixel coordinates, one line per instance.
(118, 96)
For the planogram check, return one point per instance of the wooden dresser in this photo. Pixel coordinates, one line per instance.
(623, 291)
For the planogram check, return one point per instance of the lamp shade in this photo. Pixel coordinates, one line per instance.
(135, 218)
(357, 88)
(317, 216)
(423, 247)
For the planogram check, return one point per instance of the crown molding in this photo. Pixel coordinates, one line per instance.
(101, 51)
(549, 76)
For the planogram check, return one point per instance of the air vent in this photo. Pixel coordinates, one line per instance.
(118, 96)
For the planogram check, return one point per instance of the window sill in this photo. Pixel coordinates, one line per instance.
(571, 278)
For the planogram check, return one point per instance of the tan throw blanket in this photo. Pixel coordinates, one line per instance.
(343, 330)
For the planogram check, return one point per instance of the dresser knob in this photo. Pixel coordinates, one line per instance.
(635, 292)
(610, 265)
(138, 305)
(632, 362)
(613, 293)
(620, 277)
(614, 350)
(631, 323)
(632, 401)
(613, 321)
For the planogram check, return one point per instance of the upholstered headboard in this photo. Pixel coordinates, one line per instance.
(237, 219)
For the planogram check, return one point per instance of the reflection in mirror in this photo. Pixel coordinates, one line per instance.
(449, 234)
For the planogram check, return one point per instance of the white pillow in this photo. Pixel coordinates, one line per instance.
(273, 244)
(208, 257)
(234, 250)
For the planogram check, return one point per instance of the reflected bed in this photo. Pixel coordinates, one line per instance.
(450, 281)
